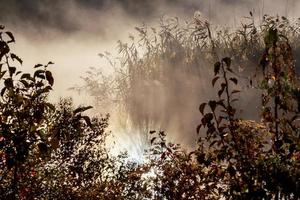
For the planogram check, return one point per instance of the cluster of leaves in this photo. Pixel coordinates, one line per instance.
(158, 68)
(57, 152)
(256, 160)
(23, 121)
(46, 150)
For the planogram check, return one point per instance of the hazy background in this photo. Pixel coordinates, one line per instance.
(71, 33)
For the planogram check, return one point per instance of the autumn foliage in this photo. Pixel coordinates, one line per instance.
(55, 151)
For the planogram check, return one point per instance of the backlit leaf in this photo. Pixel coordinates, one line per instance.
(14, 56)
(214, 80)
(49, 78)
(217, 67)
(82, 109)
(234, 80)
(227, 61)
(11, 36)
(202, 107)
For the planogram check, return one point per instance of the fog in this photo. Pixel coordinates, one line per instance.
(71, 33)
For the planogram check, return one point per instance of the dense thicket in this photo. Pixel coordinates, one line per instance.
(56, 152)
(158, 69)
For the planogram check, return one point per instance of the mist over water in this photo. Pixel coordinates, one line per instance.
(71, 34)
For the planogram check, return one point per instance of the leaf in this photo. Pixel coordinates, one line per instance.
(2, 74)
(87, 120)
(152, 140)
(12, 70)
(220, 120)
(202, 107)
(214, 80)
(8, 83)
(231, 111)
(213, 105)
(82, 109)
(39, 92)
(222, 128)
(11, 36)
(25, 83)
(14, 56)
(47, 89)
(212, 144)
(26, 76)
(50, 63)
(234, 100)
(43, 91)
(217, 67)
(221, 103)
(51, 106)
(227, 61)
(211, 130)
(49, 78)
(198, 128)
(4, 49)
(162, 133)
(39, 84)
(163, 155)
(39, 73)
(235, 91)
(234, 80)
(220, 92)
(208, 117)
(18, 72)
(3, 91)
(38, 65)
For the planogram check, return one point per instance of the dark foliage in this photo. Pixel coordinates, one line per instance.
(57, 152)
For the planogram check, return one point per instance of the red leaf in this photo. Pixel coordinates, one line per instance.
(202, 107)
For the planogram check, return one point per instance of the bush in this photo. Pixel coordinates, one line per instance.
(57, 152)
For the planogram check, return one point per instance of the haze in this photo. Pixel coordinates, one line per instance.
(71, 33)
